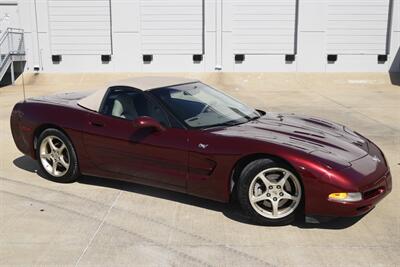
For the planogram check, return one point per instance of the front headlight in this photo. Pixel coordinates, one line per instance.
(345, 197)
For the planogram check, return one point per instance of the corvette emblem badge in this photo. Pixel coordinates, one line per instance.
(203, 146)
(376, 159)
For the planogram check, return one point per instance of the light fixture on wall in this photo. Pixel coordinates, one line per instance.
(147, 59)
(382, 58)
(290, 58)
(197, 58)
(332, 58)
(239, 58)
(105, 59)
(56, 59)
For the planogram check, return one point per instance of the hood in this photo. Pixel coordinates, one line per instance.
(326, 140)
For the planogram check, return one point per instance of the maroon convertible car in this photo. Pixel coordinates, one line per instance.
(183, 135)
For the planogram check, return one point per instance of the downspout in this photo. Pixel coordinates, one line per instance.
(39, 50)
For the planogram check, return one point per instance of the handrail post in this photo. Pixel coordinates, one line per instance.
(12, 72)
(11, 50)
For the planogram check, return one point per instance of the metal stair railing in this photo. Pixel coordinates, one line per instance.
(12, 48)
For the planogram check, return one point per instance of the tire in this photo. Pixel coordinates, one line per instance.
(270, 192)
(56, 157)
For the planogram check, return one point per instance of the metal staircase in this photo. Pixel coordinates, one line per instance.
(12, 55)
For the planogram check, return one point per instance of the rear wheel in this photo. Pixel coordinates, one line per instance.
(57, 157)
(270, 192)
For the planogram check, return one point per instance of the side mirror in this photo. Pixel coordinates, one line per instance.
(147, 122)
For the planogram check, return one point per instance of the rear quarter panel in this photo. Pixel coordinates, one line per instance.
(28, 119)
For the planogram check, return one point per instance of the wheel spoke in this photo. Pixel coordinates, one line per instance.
(61, 148)
(52, 145)
(264, 179)
(274, 207)
(283, 180)
(64, 163)
(54, 171)
(286, 195)
(255, 199)
(46, 156)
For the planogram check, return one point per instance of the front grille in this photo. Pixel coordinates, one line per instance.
(373, 193)
(381, 187)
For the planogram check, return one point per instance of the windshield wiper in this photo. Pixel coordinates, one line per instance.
(254, 118)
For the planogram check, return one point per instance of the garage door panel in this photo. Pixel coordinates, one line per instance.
(169, 46)
(358, 24)
(357, 17)
(349, 33)
(266, 38)
(76, 10)
(172, 27)
(79, 18)
(168, 51)
(172, 10)
(358, 10)
(265, 10)
(274, 48)
(182, 38)
(82, 39)
(79, 3)
(255, 33)
(77, 46)
(272, 24)
(157, 33)
(354, 46)
(80, 27)
(357, 27)
(264, 27)
(165, 17)
(263, 17)
(357, 39)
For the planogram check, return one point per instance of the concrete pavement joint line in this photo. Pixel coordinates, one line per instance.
(98, 228)
(156, 244)
(148, 219)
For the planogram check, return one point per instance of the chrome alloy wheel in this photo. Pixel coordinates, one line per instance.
(54, 156)
(275, 193)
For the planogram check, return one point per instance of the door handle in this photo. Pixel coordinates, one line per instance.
(96, 124)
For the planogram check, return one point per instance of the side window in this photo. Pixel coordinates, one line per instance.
(129, 104)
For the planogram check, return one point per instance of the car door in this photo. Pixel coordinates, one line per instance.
(115, 146)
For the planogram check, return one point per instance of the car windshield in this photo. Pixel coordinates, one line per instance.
(200, 106)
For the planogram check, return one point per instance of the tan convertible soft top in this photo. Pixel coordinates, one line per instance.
(93, 101)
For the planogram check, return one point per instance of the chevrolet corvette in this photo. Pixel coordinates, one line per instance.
(183, 135)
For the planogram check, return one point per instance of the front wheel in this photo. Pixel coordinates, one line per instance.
(269, 192)
(57, 157)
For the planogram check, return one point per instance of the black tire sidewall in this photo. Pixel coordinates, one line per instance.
(73, 172)
(246, 177)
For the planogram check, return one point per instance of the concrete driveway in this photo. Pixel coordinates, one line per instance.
(97, 222)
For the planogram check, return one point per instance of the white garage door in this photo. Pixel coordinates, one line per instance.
(264, 26)
(8, 16)
(357, 27)
(80, 27)
(172, 27)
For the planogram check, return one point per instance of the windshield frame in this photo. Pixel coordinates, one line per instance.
(257, 113)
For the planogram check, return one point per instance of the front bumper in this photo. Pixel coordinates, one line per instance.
(371, 196)
(369, 175)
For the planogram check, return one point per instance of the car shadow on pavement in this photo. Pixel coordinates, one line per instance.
(230, 210)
